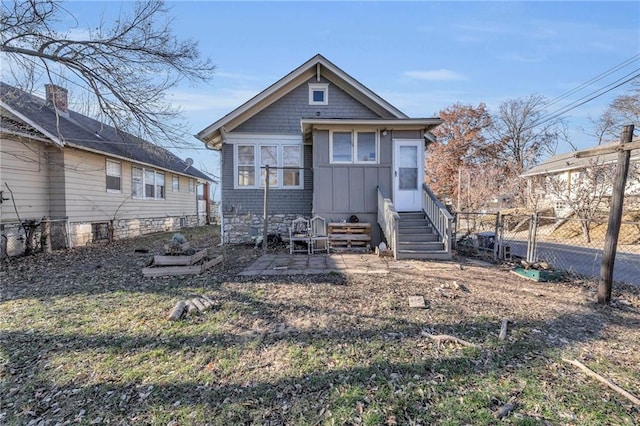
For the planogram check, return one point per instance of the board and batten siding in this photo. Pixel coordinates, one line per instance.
(342, 190)
(23, 168)
(87, 199)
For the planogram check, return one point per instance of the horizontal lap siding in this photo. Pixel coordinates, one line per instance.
(283, 116)
(281, 201)
(23, 167)
(88, 200)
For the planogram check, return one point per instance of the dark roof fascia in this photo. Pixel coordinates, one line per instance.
(75, 130)
(53, 138)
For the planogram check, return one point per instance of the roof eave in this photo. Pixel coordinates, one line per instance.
(55, 139)
(426, 124)
(292, 80)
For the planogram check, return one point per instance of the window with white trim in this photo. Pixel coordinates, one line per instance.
(318, 93)
(353, 147)
(192, 186)
(284, 160)
(175, 184)
(147, 184)
(114, 176)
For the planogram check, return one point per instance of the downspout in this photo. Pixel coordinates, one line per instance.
(223, 135)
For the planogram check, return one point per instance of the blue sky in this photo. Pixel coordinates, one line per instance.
(420, 56)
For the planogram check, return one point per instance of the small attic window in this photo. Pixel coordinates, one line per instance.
(319, 94)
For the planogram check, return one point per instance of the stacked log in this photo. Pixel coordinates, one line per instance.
(193, 306)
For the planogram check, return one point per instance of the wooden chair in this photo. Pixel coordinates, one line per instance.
(319, 237)
(299, 232)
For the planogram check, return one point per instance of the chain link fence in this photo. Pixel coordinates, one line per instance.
(33, 236)
(566, 244)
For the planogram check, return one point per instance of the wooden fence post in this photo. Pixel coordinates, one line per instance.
(615, 217)
(45, 236)
(265, 226)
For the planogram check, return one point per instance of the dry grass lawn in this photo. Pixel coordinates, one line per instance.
(84, 339)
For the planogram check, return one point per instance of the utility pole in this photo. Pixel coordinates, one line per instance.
(615, 217)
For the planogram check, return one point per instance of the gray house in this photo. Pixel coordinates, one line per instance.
(335, 149)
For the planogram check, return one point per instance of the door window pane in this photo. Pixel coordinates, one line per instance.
(342, 146)
(407, 167)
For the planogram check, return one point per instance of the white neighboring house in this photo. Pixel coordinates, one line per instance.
(87, 180)
(572, 170)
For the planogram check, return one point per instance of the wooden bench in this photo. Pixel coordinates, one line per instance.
(349, 237)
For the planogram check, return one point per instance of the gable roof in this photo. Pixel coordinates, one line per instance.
(28, 115)
(316, 66)
(576, 160)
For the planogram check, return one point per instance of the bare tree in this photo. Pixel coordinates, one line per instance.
(604, 126)
(525, 135)
(128, 65)
(584, 192)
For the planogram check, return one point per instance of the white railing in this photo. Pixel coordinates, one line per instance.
(388, 220)
(438, 215)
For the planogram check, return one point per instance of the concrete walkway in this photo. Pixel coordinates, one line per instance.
(285, 264)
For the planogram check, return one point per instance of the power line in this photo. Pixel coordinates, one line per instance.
(592, 80)
(587, 98)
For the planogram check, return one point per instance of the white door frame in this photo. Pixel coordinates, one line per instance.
(406, 200)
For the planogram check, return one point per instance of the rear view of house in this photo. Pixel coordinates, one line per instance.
(83, 179)
(334, 149)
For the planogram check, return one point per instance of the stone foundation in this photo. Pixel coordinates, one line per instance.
(245, 228)
(82, 232)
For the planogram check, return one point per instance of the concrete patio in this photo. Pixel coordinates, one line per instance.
(285, 264)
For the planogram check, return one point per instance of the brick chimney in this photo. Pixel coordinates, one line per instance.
(57, 97)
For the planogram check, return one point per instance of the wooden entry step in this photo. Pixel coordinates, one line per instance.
(346, 237)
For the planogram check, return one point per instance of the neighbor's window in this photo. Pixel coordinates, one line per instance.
(137, 183)
(114, 174)
(319, 94)
(192, 186)
(147, 184)
(175, 183)
(354, 147)
(160, 187)
(285, 162)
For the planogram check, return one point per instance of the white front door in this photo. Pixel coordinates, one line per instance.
(408, 174)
